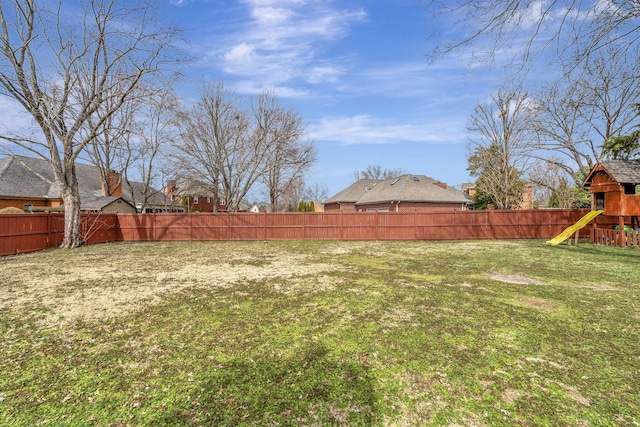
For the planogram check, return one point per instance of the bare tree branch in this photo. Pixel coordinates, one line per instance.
(63, 70)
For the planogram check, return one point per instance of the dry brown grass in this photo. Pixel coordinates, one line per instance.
(59, 290)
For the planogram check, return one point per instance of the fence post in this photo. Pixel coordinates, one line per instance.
(49, 222)
(304, 225)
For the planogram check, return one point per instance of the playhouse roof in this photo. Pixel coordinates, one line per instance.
(623, 171)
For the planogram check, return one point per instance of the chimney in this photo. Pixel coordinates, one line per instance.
(441, 184)
(115, 185)
(171, 188)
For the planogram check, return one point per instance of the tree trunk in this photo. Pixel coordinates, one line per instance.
(72, 219)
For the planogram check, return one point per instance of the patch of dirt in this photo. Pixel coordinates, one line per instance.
(396, 317)
(600, 287)
(515, 279)
(539, 303)
(509, 396)
(548, 362)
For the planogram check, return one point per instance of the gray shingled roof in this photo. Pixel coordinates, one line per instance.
(22, 176)
(623, 171)
(99, 203)
(16, 178)
(412, 188)
(354, 192)
(134, 191)
(406, 188)
(193, 187)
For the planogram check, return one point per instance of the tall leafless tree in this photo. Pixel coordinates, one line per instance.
(209, 132)
(231, 145)
(589, 107)
(109, 147)
(153, 133)
(316, 192)
(62, 63)
(288, 157)
(500, 147)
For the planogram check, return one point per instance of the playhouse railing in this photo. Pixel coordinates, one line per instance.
(610, 237)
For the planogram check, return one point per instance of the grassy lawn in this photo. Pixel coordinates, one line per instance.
(321, 333)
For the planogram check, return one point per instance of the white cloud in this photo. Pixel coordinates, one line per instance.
(324, 73)
(365, 129)
(282, 41)
(271, 16)
(240, 57)
(253, 88)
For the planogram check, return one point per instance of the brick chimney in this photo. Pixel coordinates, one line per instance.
(171, 188)
(115, 185)
(441, 184)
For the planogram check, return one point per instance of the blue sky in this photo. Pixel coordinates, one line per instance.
(356, 71)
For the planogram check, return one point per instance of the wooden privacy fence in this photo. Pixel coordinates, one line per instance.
(21, 233)
(26, 233)
(529, 224)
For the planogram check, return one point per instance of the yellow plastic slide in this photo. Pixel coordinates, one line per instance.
(570, 231)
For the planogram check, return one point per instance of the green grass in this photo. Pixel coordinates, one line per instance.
(321, 333)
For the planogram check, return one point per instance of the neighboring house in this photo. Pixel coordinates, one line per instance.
(155, 200)
(107, 204)
(615, 187)
(406, 193)
(27, 183)
(195, 195)
(318, 206)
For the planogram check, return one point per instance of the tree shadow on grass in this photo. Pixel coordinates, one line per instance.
(310, 388)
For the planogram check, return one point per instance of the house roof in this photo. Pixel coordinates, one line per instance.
(22, 176)
(192, 187)
(353, 192)
(25, 176)
(405, 188)
(623, 171)
(99, 203)
(134, 192)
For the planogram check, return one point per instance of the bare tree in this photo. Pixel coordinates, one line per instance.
(500, 147)
(591, 106)
(563, 136)
(292, 196)
(572, 30)
(231, 148)
(316, 192)
(63, 70)
(109, 135)
(288, 158)
(152, 134)
(207, 132)
(247, 159)
(553, 186)
(377, 172)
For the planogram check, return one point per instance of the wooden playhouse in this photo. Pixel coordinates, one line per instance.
(615, 188)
